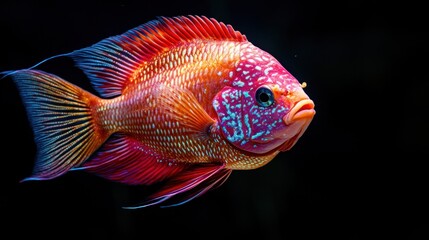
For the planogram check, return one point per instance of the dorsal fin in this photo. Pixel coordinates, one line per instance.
(110, 62)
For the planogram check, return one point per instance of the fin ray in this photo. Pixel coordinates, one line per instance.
(182, 106)
(189, 184)
(62, 121)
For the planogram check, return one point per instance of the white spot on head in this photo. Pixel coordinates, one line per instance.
(261, 78)
(267, 70)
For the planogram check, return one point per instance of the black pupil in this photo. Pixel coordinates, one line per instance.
(263, 97)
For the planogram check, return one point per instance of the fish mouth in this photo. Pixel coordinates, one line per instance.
(297, 121)
(303, 109)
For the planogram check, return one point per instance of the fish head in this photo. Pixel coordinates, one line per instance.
(264, 108)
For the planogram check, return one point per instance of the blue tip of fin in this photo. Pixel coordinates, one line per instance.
(12, 72)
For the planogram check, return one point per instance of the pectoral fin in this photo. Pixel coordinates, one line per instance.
(183, 107)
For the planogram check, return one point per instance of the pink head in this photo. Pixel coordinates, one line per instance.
(263, 107)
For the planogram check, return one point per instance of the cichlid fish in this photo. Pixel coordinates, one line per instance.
(182, 102)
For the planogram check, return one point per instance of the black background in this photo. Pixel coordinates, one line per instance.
(359, 172)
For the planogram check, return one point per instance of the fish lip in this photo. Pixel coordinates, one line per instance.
(304, 109)
(300, 116)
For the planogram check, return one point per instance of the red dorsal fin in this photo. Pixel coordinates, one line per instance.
(110, 62)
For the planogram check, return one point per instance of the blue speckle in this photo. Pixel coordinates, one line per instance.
(246, 122)
(238, 84)
(258, 134)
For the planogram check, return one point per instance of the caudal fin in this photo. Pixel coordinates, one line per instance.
(63, 125)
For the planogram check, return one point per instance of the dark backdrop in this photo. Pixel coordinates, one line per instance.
(359, 172)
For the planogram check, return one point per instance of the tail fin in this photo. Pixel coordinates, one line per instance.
(60, 114)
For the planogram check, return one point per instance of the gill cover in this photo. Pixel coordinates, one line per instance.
(249, 119)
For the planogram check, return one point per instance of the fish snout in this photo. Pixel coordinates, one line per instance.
(302, 110)
(297, 121)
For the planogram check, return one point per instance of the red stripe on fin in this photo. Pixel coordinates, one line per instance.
(111, 62)
(124, 159)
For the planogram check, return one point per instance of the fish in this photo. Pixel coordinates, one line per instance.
(179, 101)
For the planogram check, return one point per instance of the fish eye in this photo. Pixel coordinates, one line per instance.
(264, 97)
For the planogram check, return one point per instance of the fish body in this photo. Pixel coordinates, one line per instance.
(182, 100)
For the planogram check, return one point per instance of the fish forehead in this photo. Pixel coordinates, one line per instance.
(257, 67)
